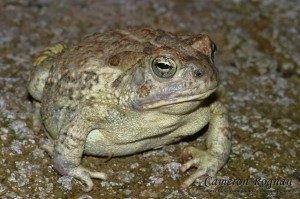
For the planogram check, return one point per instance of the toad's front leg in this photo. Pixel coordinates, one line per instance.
(68, 150)
(218, 144)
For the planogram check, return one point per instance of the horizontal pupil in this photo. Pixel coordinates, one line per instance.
(163, 66)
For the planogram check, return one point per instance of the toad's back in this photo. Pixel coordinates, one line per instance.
(120, 48)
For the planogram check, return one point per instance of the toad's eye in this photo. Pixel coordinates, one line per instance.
(164, 67)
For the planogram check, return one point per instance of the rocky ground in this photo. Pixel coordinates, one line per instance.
(259, 62)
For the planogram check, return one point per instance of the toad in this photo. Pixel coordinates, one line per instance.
(125, 91)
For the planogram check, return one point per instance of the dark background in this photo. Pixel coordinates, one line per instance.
(258, 59)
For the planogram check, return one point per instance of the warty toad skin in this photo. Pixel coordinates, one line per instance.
(125, 91)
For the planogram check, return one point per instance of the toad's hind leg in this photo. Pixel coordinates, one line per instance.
(38, 76)
(37, 119)
(40, 69)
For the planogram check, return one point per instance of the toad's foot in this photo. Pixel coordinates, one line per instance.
(205, 163)
(79, 172)
(85, 175)
(47, 145)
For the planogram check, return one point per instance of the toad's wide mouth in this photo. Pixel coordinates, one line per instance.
(174, 98)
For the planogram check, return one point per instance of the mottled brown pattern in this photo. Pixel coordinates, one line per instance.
(114, 60)
(144, 90)
(125, 91)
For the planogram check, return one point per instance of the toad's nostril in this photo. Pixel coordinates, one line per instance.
(198, 73)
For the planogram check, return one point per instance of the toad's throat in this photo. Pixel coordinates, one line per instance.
(156, 102)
